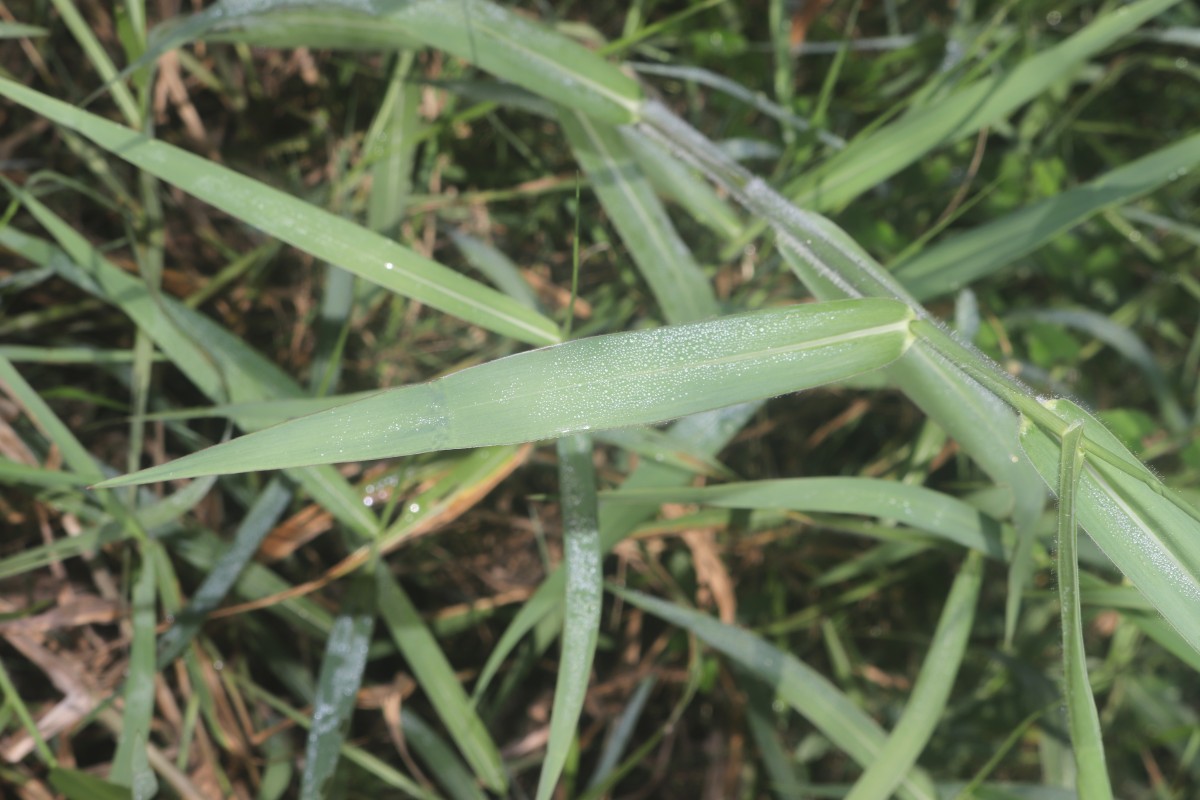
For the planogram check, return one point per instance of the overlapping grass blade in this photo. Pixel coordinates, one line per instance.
(708, 433)
(443, 762)
(1129, 514)
(948, 518)
(436, 676)
(221, 365)
(608, 381)
(325, 235)
(986, 249)
(582, 560)
(337, 687)
(680, 288)
(497, 268)
(931, 690)
(804, 689)
(1091, 770)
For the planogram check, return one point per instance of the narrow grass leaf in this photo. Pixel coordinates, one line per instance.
(986, 249)
(804, 689)
(675, 180)
(483, 33)
(1091, 771)
(709, 433)
(1125, 342)
(948, 518)
(678, 284)
(583, 560)
(443, 762)
(220, 364)
(259, 520)
(664, 449)
(1146, 533)
(872, 159)
(622, 733)
(14, 473)
(337, 687)
(608, 381)
(932, 688)
(131, 766)
(76, 785)
(497, 268)
(324, 235)
(437, 679)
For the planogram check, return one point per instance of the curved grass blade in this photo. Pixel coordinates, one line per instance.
(436, 678)
(483, 33)
(981, 251)
(337, 687)
(582, 559)
(609, 381)
(804, 689)
(931, 690)
(1148, 535)
(324, 235)
(681, 289)
(948, 518)
(1091, 773)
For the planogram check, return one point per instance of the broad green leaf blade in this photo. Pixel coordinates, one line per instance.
(1091, 773)
(681, 289)
(948, 518)
(325, 235)
(931, 690)
(967, 257)
(609, 381)
(1147, 535)
(436, 678)
(583, 560)
(131, 766)
(794, 682)
(337, 687)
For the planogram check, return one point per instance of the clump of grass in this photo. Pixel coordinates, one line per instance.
(889, 621)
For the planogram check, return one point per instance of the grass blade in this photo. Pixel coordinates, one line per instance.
(603, 382)
(807, 691)
(932, 688)
(924, 509)
(436, 677)
(582, 559)
(131, 766)
(1146, 533)
(324, 235)
(337, 687)
(1091, 772)
(986, 249)
(681, 289)
(868, 161)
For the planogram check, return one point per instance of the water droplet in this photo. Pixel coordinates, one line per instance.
(414, 508)
(1181, 63)
(389, 265)
(218, 665)
(368, 501)
(1053, 18)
